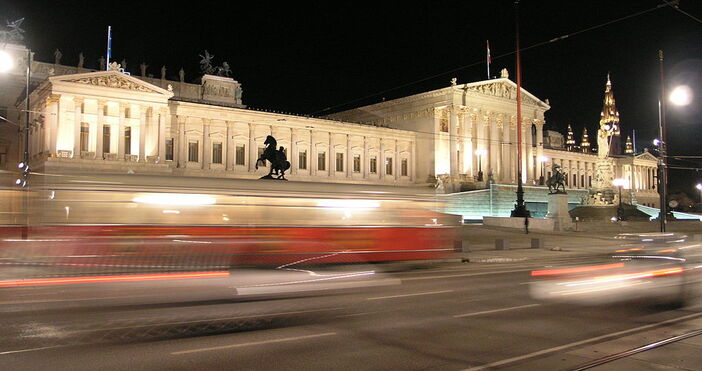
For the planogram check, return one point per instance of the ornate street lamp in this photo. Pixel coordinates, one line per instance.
(480, 153)
(680, 96)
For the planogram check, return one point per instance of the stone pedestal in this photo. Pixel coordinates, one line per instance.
(558, 211)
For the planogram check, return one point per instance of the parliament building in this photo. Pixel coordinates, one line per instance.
(459, 139)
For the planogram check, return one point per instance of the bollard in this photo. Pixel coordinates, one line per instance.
(501, 244)
(537, 243)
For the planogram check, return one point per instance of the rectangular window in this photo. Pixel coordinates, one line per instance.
(217, 153)
(84, 136)
(339, 162)
(321, 161)
(575, 180)
(302, 160)
(193, 151)
(127, 140)
(582, 180)
(405, 169)
(240, 155)
(106, 139)
(169, 149)
(373, 165)
(388, 166)
(356, 163)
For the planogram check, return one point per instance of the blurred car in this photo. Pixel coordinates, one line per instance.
(660, 268)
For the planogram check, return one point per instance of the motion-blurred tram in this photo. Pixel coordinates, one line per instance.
(128, 222)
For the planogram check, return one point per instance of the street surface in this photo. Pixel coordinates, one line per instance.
(472, 311)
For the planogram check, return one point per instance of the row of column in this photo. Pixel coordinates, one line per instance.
(294, 142)
(497, 139)
(59, 134)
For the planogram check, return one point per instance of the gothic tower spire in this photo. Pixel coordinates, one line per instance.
(585, 142)
(570, 141)
(609, 122)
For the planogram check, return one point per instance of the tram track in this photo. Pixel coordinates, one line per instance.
(644, 348)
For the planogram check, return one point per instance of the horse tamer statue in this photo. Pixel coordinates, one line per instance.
(556, 182)
(279, 162)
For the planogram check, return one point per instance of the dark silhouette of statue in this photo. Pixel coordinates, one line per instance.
(556, 182)
(279, 162)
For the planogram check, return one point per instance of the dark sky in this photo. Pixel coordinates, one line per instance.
(306, 57)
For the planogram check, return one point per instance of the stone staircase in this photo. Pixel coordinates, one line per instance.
(499, 200)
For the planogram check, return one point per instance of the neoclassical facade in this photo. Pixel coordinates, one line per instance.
(110, 121)
(458, 138)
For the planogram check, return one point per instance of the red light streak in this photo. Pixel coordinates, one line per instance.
(118, 278)
(551, 272)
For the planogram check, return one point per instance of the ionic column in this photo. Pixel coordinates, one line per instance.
(294, 158)
(206, 144)
(539, 143)
(182, 146)
(253, 150)
(494, 154)
(413, 162)
(161, 146)
(507, 161)
(381, 171)
(52, 121)
(365, 161)
(230, 150)
(530, 153)
(120, 131)
(349, 160)
(397, 161)
(330, 172)
(453, 135)
(100, 135)
(142, 133)
(76, 126)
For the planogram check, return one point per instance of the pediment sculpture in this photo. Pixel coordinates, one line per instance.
(112, 81)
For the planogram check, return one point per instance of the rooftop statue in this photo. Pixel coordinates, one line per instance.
(206, 63)
(279, 162)
(13, 32)
(556, 182)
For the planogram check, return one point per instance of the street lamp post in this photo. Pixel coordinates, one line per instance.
(699, 188)
(480, 153)
(680, 96)
(6, 64)
(620, 183)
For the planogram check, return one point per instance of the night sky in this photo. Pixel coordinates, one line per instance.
(317, 58)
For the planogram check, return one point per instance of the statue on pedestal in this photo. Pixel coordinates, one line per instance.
(556, 183)
(279, 162)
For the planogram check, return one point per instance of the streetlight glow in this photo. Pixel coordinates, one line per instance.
(6, 62)
(681, 95)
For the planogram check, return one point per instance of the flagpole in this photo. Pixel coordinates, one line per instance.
(488, 59)
(109, 47)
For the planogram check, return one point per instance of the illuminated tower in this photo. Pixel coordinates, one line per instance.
(585, 142)
(570, 140)
(629, 146)
(608, 141)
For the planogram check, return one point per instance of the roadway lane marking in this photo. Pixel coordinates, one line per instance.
(581, 342)
(406, 295)
(296, 338)
(495, 310)
(465, 275)
(28, 350)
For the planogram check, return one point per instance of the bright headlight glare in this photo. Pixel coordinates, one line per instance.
(175, 199)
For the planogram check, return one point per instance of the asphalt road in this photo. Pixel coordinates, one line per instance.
(450, 316)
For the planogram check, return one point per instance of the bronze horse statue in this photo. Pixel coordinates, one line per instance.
(279, 162)
(556, 182)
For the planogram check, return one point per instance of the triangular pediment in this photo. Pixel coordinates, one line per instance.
(646, 156)
(112, 80)
(502, 88)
